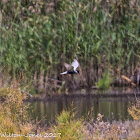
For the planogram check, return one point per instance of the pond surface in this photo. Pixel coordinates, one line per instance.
(111, 108)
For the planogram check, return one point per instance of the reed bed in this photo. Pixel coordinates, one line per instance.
(38, 36)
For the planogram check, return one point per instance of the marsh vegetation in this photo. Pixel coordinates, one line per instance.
(16, 119)
(38, 36)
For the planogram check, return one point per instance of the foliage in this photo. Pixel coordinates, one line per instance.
(68, 126)
(101, 130)
(38, 36)
(106, 81)
(13, 115)
(134, 111)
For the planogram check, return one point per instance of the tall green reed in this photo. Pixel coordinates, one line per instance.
(100, 34)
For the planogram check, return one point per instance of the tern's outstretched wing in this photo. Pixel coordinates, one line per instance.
(75, 64)
(67, 66)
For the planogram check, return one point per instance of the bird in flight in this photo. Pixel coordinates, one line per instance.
(71, 69)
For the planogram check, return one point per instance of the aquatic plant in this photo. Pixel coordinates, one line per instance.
(115, 130)
(106, 81)
(134, 111)
(14, 115)
(38, 36)
(68, 126)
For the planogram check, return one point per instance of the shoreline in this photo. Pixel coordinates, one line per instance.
(45, 98)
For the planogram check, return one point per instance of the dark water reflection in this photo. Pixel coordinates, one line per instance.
(112, 109)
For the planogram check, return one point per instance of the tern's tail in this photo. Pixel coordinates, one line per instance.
(64, 73)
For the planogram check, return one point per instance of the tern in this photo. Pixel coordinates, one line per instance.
(71, 68)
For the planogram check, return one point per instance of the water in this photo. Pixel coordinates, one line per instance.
(111, 108)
